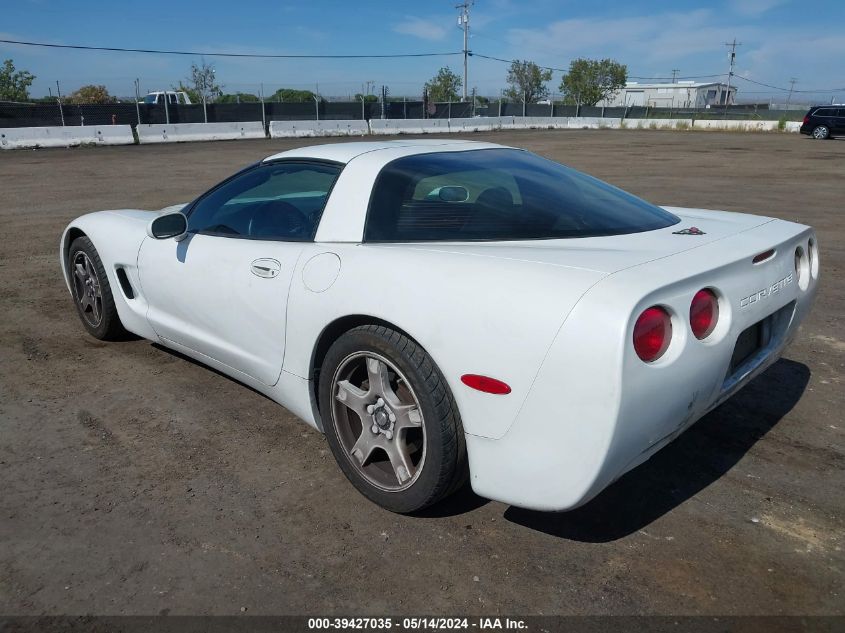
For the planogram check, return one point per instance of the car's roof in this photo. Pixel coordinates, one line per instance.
(344, 152)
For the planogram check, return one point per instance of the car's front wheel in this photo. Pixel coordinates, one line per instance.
(92, 292)
(390, 419)
(821, 132)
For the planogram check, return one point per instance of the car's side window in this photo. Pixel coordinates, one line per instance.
(276, 201)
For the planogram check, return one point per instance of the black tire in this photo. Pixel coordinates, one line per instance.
(102, 321)
(821, 132)
(443, 468)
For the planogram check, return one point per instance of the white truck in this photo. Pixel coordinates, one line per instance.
(174, 97)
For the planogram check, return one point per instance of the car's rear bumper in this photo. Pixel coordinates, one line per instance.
(596, 411)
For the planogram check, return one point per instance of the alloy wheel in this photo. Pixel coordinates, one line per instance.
(87, 289)
(379, 421)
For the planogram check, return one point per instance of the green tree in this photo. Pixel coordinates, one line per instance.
(444, 86)
(238, 97)
(527, 81)
(203, 83)
(14, 84)
(367, 98)
(592, 80)
(289, 95)
(91, 94)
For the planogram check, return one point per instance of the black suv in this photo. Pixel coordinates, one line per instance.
(824, 121)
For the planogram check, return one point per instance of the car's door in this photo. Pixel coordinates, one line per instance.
(222, 290)
(838, 126)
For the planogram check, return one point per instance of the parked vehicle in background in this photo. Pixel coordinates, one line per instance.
(173, 97)
(823, 122)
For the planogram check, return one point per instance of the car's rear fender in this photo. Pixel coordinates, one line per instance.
(472, 314)
(117, 236)
(596, 410)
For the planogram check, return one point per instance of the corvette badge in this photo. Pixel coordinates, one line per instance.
(693, 230)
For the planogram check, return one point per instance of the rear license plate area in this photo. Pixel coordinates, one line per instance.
(749, 343)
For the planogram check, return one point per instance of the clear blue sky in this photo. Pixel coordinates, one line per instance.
(780, 39)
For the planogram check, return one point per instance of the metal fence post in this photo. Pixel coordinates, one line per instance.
(363, 114)
(137, 101)
(263, 114)
(449, 111)
(166, 108)
(59, 99)
(317, 107)
(524, 102)
(500, 105)
(204, 109)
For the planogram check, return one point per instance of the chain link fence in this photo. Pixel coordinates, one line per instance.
(253, 105)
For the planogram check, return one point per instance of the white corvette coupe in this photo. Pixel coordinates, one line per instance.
(447, 309)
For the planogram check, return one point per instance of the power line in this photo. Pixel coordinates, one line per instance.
(208, 54)
(564, 70)
(760, 83)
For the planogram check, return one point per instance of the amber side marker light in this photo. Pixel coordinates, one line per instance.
(486, 384)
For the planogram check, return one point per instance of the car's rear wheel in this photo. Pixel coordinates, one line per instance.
(390, 419)
(821, 132)
(92, 292)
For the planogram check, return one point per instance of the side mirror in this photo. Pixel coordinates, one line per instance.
(168, 225)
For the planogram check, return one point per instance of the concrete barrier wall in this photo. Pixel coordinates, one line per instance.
(476, 124)
(532, 123)
(658, 124)
(745, 126)
(65, 136)
(409, 126)
(329, 127)
(182, 132)
(593, 123)
(793, 126)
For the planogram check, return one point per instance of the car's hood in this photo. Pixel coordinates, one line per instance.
(616, 252)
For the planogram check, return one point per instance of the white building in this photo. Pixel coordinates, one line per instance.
(683, 94)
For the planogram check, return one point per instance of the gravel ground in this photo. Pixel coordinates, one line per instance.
(135, 481)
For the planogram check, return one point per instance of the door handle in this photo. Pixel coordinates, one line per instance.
(266, 268)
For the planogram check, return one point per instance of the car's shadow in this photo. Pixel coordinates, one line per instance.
(699, 457)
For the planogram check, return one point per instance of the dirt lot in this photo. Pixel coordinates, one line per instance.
(135, 481)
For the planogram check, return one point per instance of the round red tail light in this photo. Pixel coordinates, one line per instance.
(652, 333)
(703, 313)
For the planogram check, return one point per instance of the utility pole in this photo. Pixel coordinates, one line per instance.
(675, 72)
(733, 46)
(463, 22)
(791, 88)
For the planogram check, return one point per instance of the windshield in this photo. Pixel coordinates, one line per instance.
(499, 194)
(150, 98)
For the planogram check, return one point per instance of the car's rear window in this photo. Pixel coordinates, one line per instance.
(499, 194)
